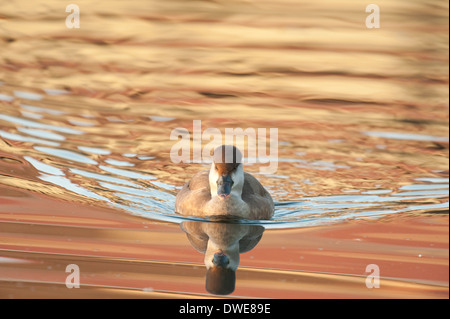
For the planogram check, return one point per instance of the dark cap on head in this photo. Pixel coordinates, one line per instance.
(226, 158)
(220, 280)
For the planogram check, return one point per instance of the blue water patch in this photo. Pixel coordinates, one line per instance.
(44, 168)
(407, 136)
(69, 155)
(6, 98)
(28, 95)
(118, 163)
(33, 124)
(42, 134)
(126, 173)
(102, 177)
(21, 138)
(40, 109)
(94, 150)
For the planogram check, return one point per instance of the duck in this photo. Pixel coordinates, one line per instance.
(222, 244)
(225, 190)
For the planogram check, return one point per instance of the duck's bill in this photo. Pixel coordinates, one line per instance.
(220, 259)
(224, 186)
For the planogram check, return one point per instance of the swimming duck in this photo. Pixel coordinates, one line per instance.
(225, 190)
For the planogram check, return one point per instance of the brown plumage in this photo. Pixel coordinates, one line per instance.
(196, 199)
(226, 159)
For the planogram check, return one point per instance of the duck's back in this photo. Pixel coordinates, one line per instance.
(258, 199)
(194, 195)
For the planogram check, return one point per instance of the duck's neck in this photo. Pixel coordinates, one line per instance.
(238, 182)
(230, 249)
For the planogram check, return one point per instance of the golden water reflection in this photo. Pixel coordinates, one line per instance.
(86, 116)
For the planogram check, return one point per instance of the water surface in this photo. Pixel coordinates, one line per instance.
(86, 116)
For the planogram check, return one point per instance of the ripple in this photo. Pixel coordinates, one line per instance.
(40, 109)
(118, 163)
(72, 187)
(94, 150)
(6, 98)
(126, 173)
(110, 158)
(28, 95)
(407, 136)
(21, 138)
(69, 155)
(102, 177)
(42, 134)
(34, 124)
(44, 168)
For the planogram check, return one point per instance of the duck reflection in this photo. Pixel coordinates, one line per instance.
(222, 243)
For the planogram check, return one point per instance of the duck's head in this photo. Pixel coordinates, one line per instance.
(221, 264)
(221, 274)
(226, 176)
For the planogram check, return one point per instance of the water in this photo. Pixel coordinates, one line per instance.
(362, 115)
(92, 157)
